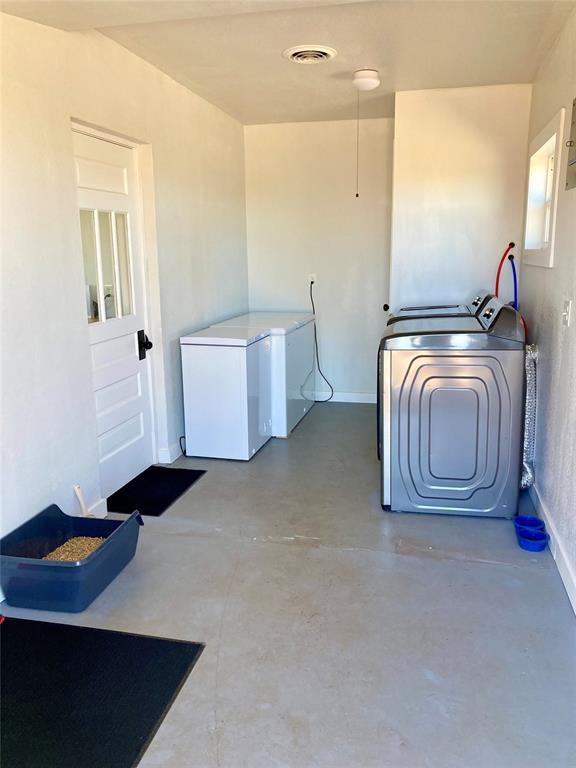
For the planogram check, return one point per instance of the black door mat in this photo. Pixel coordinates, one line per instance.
(83, 697)
(154, 490)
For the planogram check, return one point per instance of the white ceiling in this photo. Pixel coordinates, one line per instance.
(230, 51)
(78, 15)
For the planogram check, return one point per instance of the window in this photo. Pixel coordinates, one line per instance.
(107, 265)
(543, 184)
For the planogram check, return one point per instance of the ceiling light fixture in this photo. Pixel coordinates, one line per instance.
(309, 54)
(363, 80)
(366, 79)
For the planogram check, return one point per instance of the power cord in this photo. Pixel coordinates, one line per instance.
(320, 371)
(180, 441)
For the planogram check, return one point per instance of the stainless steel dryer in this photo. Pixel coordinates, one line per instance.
(451, 401)
(473, 306)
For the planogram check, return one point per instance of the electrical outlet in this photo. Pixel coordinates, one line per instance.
(567, 313)
(312, 278)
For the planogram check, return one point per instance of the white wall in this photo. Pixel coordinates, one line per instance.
(459, 179)
(303, 217)
(543, 294)
(50, 76)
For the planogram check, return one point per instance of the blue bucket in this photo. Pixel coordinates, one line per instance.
(532, 540)
(530, 522)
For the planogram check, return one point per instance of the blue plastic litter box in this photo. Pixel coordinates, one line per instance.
(30, 582)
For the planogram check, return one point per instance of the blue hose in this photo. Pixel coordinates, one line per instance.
(515, 279)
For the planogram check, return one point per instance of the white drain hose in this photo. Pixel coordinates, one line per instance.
(529, 417)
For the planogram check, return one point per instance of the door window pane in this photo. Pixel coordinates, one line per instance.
(124, 271)
(107, 264)
(107, 260)
(90, 265)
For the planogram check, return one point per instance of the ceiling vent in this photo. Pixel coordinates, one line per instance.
(309, 54)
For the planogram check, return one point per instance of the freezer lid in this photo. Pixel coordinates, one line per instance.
(278, 323)
(225, 337)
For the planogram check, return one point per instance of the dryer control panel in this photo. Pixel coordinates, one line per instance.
(502, 320)
(479, 301)
(491, 311)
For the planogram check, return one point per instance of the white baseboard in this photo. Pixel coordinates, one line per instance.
(565, 568)
(99, 508)
(169, 454)
(348, 397)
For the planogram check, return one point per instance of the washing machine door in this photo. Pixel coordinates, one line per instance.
(455, 440)
(473, 306)
(417, 313)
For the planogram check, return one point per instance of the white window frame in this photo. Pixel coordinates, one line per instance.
(543, 256)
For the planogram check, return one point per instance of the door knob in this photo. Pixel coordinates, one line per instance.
(144, 344)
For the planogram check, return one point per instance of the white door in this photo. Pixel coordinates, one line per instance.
(115, 307)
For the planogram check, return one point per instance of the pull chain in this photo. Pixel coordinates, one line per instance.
(357, 143)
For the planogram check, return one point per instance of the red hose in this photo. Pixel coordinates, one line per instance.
(502, 260)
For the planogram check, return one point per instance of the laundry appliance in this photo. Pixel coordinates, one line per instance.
(473, 306)
(450, 412)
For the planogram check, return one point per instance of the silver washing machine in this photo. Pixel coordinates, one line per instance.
(450, 413)
(473, 306)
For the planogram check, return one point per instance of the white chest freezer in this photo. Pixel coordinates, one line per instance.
(293, 379)
(226, 381)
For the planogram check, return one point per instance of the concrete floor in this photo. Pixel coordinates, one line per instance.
(340, 636)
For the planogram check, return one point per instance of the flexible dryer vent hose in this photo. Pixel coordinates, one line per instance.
(529, 417)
